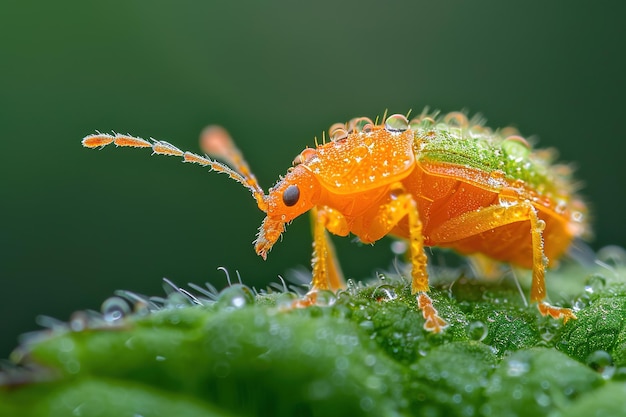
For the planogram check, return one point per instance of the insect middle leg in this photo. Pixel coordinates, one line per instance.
(401, 205)
(479, 221)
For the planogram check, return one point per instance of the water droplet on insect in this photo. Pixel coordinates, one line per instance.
(497, 174)
(304, 156)
(456, 119)
(236, 296)
(368, 128)
(396, 123)
(384, 292)
(360, 123)
(577, 216)
(427, 122)
(337, 132)
(477, 331)
(443, 127)
(561, 206)
(541, 225)
(516, 146)
(114, 309)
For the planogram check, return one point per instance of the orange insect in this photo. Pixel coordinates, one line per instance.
(435, 181)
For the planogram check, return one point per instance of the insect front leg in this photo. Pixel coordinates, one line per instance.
(473, 223)
(401, 205)
(327, 273)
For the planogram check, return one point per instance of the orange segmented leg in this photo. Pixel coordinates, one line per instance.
(402, 204)
(473, 223)
(327, 273)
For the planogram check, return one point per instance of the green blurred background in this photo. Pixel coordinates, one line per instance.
(78, 224)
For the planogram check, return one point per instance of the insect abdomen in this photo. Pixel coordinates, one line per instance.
(441, 199)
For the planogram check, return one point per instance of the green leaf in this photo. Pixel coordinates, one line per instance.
(361, 352)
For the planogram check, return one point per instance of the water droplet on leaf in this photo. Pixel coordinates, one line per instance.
(114, 309)
(235, 296)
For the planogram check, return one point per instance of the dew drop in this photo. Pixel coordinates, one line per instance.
(612, 255)
(425, 122)
(542, 399)
(114, 309)
(516, 368)
(368, 128)
(516, 146)
(366, 403)
(384, 293)
(236, 296)
(339, 135)
(79, 321)
(352, 287)
(456, 119)
(578, 216)
(304, 156)
(497, 174)
(367, 325)
(599, 360)
(561, 206)
(337, 132)
(396, 123)
(361, 123)
(325, 298)
(477, 331)
(176, 300)
(541, 225)
(286, 300)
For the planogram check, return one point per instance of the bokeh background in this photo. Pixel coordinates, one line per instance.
(78, 224)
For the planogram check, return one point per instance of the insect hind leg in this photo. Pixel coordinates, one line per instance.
(475, 222)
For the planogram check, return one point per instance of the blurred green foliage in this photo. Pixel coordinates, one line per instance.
(76, 225)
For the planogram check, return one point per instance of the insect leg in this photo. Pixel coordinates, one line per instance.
(327, 273)
(479, 221)
(401, 205)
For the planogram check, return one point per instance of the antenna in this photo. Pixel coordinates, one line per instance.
(214, 140)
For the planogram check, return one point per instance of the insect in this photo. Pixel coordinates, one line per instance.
(437, 180)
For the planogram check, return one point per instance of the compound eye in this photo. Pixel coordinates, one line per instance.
(291, 195)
